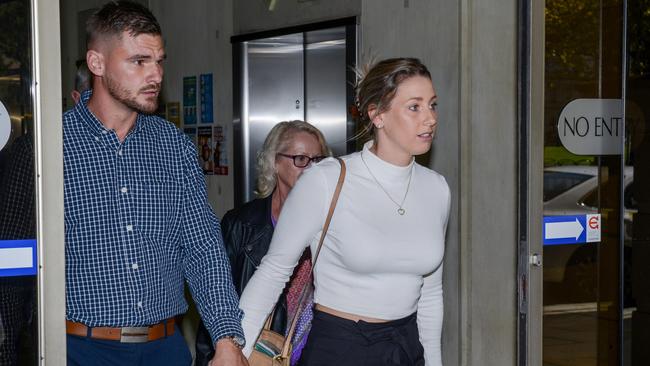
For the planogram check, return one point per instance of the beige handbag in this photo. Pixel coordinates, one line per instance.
(274, 349)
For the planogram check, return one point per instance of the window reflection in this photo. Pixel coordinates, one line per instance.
(636, 196)
(18, 325)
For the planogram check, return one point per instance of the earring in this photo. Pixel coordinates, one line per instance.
(379, 126)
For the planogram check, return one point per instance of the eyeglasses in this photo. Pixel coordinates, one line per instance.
(302, 161)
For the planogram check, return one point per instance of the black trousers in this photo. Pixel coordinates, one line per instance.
(335, 341)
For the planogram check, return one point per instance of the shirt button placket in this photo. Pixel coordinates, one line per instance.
(126, 201)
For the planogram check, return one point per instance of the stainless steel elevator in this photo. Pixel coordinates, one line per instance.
(299, 73)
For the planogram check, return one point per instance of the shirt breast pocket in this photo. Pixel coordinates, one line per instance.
(160, 203)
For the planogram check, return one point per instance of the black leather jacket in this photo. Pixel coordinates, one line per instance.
(247, 233)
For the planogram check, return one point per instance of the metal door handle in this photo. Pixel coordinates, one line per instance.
(536, 260)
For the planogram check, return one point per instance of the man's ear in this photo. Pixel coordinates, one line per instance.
(96, 62)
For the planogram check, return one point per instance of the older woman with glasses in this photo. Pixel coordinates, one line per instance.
(289, 148)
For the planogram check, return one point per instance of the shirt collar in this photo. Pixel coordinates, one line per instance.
(94, 124)
(382, 169)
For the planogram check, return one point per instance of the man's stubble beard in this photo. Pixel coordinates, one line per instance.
(125, 96)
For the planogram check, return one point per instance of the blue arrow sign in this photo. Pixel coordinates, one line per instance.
(571, 229)
(18, 258)
(564, 229)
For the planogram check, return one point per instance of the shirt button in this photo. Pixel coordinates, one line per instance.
(139, 304)
(119, 152)
(134, 266)
(104, 132)
(129, 227)
(96, 138)
(124, 190)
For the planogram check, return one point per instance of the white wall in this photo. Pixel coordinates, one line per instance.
(255, 15)
(197, 41)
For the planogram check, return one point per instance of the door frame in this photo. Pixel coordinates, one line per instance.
(48, 137)
(530, 170)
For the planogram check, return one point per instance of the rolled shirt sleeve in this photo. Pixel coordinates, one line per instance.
(206, 265)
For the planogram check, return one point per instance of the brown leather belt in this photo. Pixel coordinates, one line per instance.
(124, 334)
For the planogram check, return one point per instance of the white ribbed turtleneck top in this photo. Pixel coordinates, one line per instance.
(374, 262)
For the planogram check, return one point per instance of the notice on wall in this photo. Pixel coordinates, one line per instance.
(189, 100)
(592, 127)
(220, 154)
(5, 126)
(174, 113)
(206, 156)
(205, 93)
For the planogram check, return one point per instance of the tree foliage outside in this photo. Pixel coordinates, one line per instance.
(638, 35)
(572, 38)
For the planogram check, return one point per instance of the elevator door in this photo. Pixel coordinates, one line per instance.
(294, 74)
(596, 307)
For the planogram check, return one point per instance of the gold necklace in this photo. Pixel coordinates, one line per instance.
(400, 208)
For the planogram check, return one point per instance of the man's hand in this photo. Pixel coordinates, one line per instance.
(226, 353)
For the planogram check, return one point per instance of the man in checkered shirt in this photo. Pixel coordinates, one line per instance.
(137, 221)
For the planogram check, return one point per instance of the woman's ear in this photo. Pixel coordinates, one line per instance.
(95, 61)
(375, 117)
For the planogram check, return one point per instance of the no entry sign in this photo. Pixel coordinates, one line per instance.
(592, 127)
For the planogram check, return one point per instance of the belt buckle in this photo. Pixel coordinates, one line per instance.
(134, 335)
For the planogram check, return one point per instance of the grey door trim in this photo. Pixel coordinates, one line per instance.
(531, 170)
(523, 111)
(49, 180)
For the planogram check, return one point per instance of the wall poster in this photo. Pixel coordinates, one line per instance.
(174, 113)
(220, 155)
(205, 93)
(206, 159)
(189, 100)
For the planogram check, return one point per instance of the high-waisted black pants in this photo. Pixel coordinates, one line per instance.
(335, 341)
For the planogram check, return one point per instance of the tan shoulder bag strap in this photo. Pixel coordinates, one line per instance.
(294, 320)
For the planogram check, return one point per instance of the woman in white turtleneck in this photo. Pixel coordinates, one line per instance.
(378, 279)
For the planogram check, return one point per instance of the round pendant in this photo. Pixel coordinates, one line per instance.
(400, 211)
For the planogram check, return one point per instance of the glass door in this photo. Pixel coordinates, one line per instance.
(636, 197)
(596, 295)
(18, 250)
(32, 307)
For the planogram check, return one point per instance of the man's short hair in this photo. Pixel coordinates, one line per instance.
(117, 17)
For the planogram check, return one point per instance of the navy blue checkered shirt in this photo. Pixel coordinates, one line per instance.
(137, 225)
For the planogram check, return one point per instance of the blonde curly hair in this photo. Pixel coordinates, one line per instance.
(277, 141)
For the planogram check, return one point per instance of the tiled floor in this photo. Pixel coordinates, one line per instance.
(570, 339)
